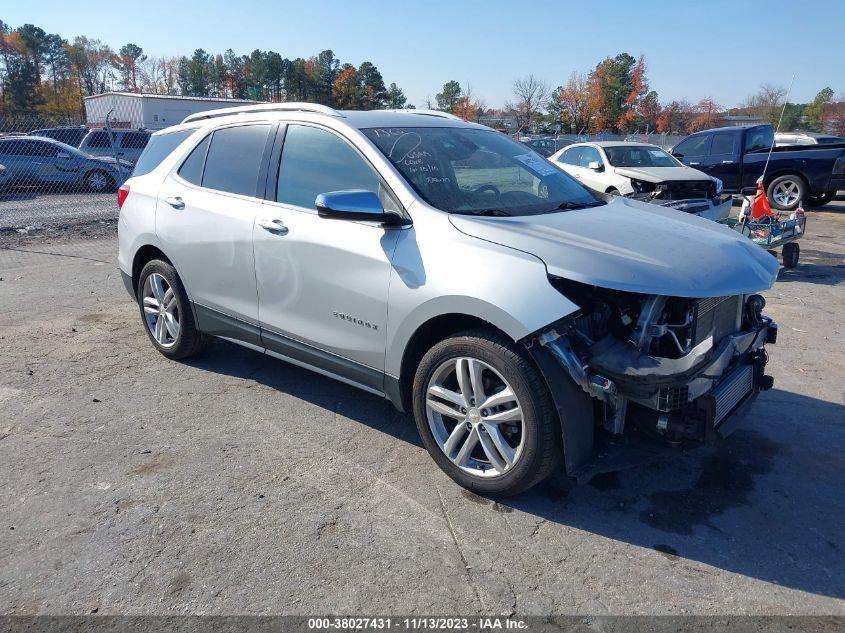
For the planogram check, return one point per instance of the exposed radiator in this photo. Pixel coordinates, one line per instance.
(717, 317)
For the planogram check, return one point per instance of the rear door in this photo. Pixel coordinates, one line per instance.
(570, 160)
(322, 284)
(19, 166)
(98, 143)
(204, 217)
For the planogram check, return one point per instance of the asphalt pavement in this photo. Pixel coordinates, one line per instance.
(238, 484)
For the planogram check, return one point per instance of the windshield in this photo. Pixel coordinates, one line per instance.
(479, 172)
(640, 156)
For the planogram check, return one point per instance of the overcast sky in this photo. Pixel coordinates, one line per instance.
(724, 49)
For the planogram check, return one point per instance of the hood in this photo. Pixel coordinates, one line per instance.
(661, 174)
(108, 160)
(636, 247)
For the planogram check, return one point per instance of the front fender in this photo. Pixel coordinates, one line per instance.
(438, 270)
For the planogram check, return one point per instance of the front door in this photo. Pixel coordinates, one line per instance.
(322, 284)
(721, 161)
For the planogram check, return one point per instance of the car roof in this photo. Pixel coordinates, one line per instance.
(612, 144)
(357, 119)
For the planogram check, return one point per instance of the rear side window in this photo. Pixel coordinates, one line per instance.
(134, 140)
(759, 138)
(99, 140)
(191, 169)
(571, 156)
(158, 148)
(234, 159)
(722, 144)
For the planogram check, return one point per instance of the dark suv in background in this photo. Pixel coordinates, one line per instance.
(69, 135)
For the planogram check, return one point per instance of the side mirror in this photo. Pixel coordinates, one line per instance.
(595, 165)
(677, 155)
(356, 205)
(64, 156)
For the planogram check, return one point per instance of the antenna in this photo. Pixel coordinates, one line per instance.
(777, 129)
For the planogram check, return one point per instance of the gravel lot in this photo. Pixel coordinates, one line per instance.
(20, 209)
(239, 484)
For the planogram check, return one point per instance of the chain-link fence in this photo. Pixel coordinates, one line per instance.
(58, 171)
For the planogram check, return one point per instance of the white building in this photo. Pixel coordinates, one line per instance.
(153, 112)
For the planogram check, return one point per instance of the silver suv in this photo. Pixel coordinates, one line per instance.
(451, 270)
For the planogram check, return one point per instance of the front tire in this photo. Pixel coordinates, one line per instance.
(485, 415)
(166, 312)
(787, 192)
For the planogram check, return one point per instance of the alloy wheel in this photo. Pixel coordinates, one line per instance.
(475, 417)
(161, 310)
(786, 193)
(98, 181)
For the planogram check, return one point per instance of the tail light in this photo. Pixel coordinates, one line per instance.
(122, 194)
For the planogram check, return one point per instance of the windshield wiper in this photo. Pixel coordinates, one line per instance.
(569, 205)
(488, 212)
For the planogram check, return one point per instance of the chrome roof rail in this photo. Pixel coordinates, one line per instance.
(424, 112)
(291, 106)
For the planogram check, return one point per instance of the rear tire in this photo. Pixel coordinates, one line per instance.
(466, 441)
(821, 199)
(791, 253)
(166, 312)
(98, 181)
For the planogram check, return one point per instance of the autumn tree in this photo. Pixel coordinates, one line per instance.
(531, 94)
(705, 115)
(126, 61)
(611, 86)
(834, 115)
(766, 103)
(675, 118)
(571, 104)
(464, 108)
(649, 110)
(346, 90)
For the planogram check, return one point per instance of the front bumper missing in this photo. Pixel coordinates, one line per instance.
(696, 400)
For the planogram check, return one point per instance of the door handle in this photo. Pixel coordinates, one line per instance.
(691, 163)
(276, 227)
(727, 162)
(175, 202)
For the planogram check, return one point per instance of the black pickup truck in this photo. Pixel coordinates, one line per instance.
(737, 155)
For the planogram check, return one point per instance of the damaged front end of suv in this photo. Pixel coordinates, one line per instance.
(675, 367)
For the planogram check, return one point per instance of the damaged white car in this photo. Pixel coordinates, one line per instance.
(644, 172)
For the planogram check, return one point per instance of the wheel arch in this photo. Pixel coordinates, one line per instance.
(786, 172)
(144, 255)
(423, 339)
